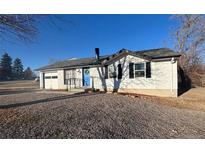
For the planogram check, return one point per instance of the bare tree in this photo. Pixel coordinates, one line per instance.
(102, 74)
(25, 27)
(190, 42)
(20, 26)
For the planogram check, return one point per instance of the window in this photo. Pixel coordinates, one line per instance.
(47, 77)
(69, 75)
(54, 77)
(112, 71)
(139, 70)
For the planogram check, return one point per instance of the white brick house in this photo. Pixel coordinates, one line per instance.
(150, 72)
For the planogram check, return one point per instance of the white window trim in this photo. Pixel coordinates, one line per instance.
(140, 70)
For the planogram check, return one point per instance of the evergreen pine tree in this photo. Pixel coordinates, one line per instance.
(17, 69)
(28, 74)
(6, 68)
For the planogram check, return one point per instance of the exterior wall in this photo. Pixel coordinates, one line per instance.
(60, 74)
(61, 83)
(163, 81)
(61, 80)
(79, 75)
(41, 80)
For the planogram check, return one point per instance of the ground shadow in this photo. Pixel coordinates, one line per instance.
(184, 82)
(8, 106)
(15, 91)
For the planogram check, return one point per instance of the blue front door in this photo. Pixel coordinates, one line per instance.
(86, 77)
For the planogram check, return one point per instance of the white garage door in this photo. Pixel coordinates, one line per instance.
(51, 80)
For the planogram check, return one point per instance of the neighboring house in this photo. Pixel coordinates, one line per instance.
(149, 72)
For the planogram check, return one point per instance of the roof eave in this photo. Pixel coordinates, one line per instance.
(124, 54)
(67, 67)
(166, 56)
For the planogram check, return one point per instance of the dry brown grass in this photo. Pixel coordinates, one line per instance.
(21, 84)
(193, 99)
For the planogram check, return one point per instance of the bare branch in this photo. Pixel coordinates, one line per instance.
(190, 42)
(26, 27)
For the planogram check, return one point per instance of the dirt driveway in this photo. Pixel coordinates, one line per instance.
(49, 115)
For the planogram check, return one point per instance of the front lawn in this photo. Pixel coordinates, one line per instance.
(49, 115)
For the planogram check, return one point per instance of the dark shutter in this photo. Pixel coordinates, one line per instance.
(106, 72)
(119, 71)
(131, 70)
(65, 77)
(148, 70)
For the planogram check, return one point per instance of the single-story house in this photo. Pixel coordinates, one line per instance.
(149, 72)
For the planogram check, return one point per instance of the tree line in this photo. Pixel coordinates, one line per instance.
(190, 42)
(14, 70)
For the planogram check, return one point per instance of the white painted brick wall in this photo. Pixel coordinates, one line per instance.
(161, 76)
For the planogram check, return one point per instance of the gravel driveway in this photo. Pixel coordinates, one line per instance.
(52, 115)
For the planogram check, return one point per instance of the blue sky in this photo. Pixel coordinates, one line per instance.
(84, 33)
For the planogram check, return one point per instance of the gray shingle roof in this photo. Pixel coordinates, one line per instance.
(73, 63)
(158, 53)
(152, 54)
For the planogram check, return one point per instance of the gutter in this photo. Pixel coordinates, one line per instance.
(58, 68)
(167, 58)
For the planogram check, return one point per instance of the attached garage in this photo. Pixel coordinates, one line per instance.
(51, 80)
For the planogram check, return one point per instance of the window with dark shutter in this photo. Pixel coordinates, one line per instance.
(139, 70)
(119, 71)
(106, 72)
(131, 70)
(148, 70)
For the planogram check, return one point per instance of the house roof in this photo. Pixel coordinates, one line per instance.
(150, 54)
(74, 63)
(158, 53)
